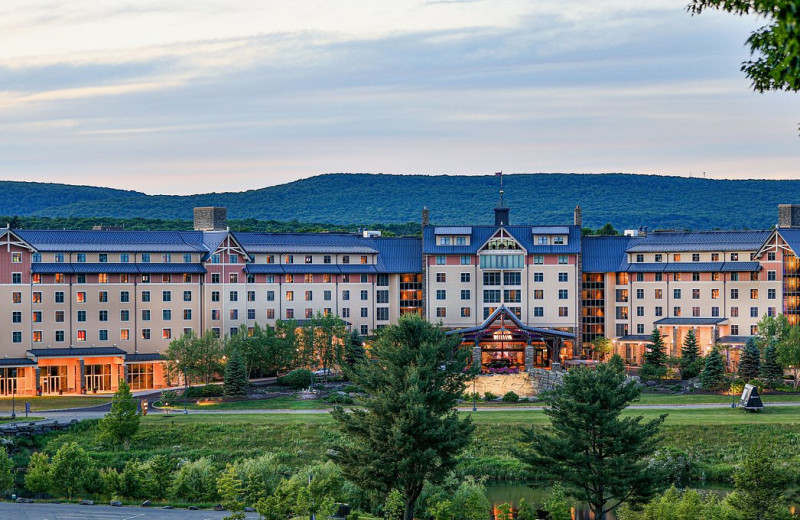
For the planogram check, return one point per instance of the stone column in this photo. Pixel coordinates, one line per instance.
(529, 356)
(674, 341)
(83, 376)
(38, 380)
(476, 355)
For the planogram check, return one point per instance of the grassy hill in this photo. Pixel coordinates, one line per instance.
(359, 199)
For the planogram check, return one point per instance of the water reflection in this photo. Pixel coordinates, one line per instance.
(512, 493)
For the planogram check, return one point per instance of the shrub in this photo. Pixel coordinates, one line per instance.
(353, 389)
(197, 392)
(297, 379)
(488, 396)
(674, 464)
(339, 399)
(196, 481)
(510, 397)
(37, 478)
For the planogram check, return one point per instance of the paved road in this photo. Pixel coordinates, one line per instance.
(75, 512)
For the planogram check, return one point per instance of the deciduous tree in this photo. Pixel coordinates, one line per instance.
(67, 470)
(196, 356)
(600, 457)
(759, 486)
(789, 352)
(408, 430)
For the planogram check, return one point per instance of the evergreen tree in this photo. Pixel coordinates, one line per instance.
(690, 353)
(235, 375)
(584, 448)
(617, 363)
(655, 359)
(771, 369)
(713, 375)
(122, 422)
(789, 352)
(408, 431)
(354, 351)
(759, 486)
(750, 361)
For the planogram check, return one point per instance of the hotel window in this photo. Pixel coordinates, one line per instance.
(365, 295)
(233, 259)
(16, 297)
(36, 258)
(81, 258)
(216, 259)
(465, 312)
(538, 294)
(187, 331)
(382, 296)
(327, 295)
(364, 259)
(382, 314)
(734, 330)
(59, 258)
(37, 316)
(770, 294)
(166, 333)
(466, 260)
(16, 278)
(216, 331)
(124, 258)
(187, 258)
(233, 278)
(563, 259)
(538, 312)
(326, 278)
(214, 296)
(214, 277)
(81, 278)
(695, 294)
(714, 277)
(622, 313)
(59, 317)
(715, 294)
(187, 314)
(345, 295)
(659, 294)
(309, 259)
(512, 279)
(639, 294)
(563, 311)
(60, 336)
(659, 277)
(166, 296)
(346, 259)
(166, 315)
(491, 278)
(659, 257)
(676, 277)
(771, 276)
(659, 311)
(345, 312)
(234, 314)
(512, 296)
(715, 257)
(754, 276)
(289, 278)
(309, 296)
(563, 294)
(753, 294)
(622, 295)
(81, 336)
(538, 259)
(16, 317)
(145, 258)
(771, 311)
(734, 312)
(640, 311)
(695, 277)
(364, 312)
(270, 296)
(461, 241)
(676, 294)
(36, 278)
(289, 296)
(771, 257)
(146, 314)
(146, 296)
(563, 277)
(364, 330)
(251, 278)
(215, 314)
(734, 257)
(559, 240)
(288, 259)
(251, 296)
(441, 260)
(715, 312)
(676, 311)
(695, 257)
(16, 258)
(16, 337)
(538, 277)
(145, 278)
(640, 328)
(270, 259)
(233, 296)
(37, 336)
(753, 330)
(102, 316)
(441, 277)
(640, 258)
(639, 277)
(270, 314)
(364, 278)
(676, 257)
(465, 294)
(491, 296)
(124, 315)
(36, 297)
(125, 296)
(734, 277)
(80, 297)
(102, 296)
(754, 312)
(383, 280)
(695, 312)
(441, 312)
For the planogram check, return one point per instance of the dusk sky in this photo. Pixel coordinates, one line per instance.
(189, 97)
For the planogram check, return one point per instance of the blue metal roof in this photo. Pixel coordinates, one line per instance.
(398, 255)
(138, 358)
(51, 268)
(740, 267)
(358, 268)
(76, 352)
(171, 268)
(693, 267)
(16, 362)
(604, 254)
(677, 241)
(452, 230)
(264, 268)
(550, 230)
(125, 241)
(522, 234)
(105, 268)
(792, 238)
(335, 243)
(310, 268)
(647, 267)
(737, 340)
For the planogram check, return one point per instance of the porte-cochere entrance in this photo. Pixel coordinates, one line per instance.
(503, 342)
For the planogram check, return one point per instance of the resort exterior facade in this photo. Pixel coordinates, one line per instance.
(80, 310)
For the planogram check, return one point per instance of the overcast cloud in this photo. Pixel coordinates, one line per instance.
(172, 97)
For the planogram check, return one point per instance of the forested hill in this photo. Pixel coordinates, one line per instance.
(358, 199)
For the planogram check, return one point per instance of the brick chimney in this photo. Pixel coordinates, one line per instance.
(788, 216)
(578, 216)
(210, 218)
(426, 221)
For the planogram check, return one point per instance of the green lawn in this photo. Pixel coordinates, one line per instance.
(53, 402)
(711, 398)
(20, 418)
(288, 402)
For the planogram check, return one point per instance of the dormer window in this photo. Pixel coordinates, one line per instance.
(659, 257)
(461, 241)
(559, 240)
(543, 241)
(444, 241)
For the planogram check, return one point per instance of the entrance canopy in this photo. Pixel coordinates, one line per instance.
(512, 325)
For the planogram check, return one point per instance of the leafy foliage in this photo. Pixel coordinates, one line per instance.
(408, 431)
(198, 357)
(601, 458)
(759, 487)
(68, 469)
(713, 375)
(6, 472)
(122, 422)
(789, 352)
(297, 379)
(557, 504)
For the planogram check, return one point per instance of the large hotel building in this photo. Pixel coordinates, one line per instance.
(80, 310)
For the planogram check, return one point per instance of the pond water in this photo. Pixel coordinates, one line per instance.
(506, 493)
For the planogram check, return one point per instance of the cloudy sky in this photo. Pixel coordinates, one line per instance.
(186, 97)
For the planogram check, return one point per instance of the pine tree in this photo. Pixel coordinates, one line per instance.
(713, 375)
(690, 353)
(655, 359)
(354, 350)
(408, 431)
(771, 369)
(617, 363)
(750, 361)
(235, 375)
(122, 422)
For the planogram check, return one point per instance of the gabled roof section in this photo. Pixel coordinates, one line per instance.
(605, 254)
(502, 309)
(114, 241)
(679, 241)
(9, 237)
(791, 237)
(522, 234)
(398, 255)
